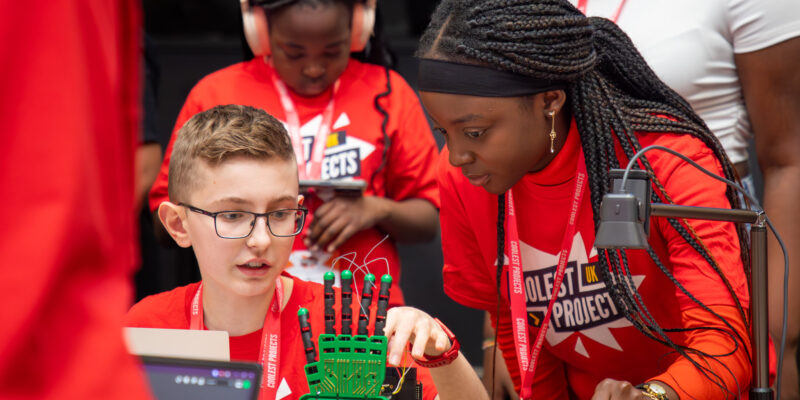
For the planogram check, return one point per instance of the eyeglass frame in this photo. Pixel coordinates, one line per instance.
(303, 213)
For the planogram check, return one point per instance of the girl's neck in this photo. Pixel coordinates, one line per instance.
(236, 314)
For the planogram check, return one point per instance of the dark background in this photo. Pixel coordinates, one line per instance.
(187, 40)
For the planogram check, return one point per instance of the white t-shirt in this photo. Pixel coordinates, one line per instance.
(690, 44)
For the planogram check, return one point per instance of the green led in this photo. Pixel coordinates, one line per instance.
(386, 278)
(246, 385)
(329, 276)
(370, 278)
(346, 274)
(302, 311)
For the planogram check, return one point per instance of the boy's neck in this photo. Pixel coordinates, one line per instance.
(239, 315)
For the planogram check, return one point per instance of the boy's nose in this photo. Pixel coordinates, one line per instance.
(314, 71)
(260, 237)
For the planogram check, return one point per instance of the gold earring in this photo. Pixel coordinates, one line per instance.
(552, 115)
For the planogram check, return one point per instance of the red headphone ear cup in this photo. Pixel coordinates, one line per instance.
(361, 25)
(256, 31)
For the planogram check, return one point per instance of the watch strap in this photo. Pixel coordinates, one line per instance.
(442, 359)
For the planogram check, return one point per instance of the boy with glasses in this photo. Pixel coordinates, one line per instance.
(234, 198)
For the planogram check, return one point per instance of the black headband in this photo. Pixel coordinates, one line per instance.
(475, 80)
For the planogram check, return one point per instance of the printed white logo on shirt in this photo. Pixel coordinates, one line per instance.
(343, 153)
(582, 304)
(283, 390)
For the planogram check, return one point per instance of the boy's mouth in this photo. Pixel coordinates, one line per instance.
(253, 265)
(253, 268)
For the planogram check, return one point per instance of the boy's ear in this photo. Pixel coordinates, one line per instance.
(173, 217)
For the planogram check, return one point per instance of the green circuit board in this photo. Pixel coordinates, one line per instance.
(349, 367)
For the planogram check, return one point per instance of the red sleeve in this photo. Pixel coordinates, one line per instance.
(466, 280)
(688, 186)
(70, 111)
(159, 192)
(411, 162)
(734, 370)
(550, 381)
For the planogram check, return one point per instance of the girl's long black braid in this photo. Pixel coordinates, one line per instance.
(501, 260)
(387, 141)
(550, 39)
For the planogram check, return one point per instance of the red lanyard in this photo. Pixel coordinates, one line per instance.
(312, 169)
(582, 4)
(519, 316)
(270, 337)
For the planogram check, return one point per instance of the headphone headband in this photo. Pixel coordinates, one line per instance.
(256, 29)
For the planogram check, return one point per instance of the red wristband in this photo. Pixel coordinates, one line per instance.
(442, 359)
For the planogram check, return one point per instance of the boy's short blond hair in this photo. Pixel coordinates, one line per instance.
(220, 133)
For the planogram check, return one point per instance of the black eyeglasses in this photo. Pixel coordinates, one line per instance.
(239, 224)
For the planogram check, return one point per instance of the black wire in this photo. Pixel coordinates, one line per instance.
(785, 304)
(690, 161)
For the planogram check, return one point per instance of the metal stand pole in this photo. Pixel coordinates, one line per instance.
(759, 317)
(759, 389)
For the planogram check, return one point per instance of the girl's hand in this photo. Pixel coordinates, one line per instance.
(610, 389)
(339, 219)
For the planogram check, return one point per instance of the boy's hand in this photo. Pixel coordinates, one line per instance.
(337, 220)
(410, 325)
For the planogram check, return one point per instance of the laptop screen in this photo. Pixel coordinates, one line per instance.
(175, 378)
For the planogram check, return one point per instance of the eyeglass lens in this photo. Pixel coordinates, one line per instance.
(239, 224)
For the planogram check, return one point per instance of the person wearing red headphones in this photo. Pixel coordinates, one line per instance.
(349, 121)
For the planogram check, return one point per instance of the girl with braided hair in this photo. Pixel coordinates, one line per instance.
(537, 103)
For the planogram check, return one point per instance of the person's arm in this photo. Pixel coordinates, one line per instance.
(407, 325)
(771, 86)
(458, 381)
(682, 380)
(341, 218)
(711, 337)
(148, 162)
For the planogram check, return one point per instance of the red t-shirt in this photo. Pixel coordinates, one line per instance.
(70, 109)
(354, 148)
(588, 338)
(172, 310)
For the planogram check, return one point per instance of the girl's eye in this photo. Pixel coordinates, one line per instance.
(474, 134)
(294, 56)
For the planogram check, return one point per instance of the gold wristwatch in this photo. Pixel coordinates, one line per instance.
(654, 391)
